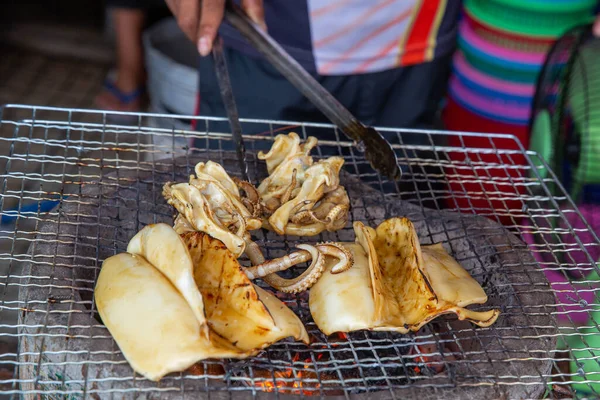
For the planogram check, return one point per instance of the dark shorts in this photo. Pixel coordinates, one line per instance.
(137, 4)
(154, 10)
(400, 98)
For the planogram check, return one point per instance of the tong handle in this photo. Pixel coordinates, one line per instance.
(229, 103)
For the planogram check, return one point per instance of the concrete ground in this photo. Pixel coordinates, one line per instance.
(46, 61)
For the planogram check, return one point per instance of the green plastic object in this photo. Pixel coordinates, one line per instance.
(584, 85)
(584, 105)
(534, 18)
(585, 346)
(587, 171)
(584, 363)
(542, 142)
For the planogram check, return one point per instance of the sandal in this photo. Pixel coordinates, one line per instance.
(113, 99)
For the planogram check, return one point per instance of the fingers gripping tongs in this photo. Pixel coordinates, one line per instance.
(377, 150)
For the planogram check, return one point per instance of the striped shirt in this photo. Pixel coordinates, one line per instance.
(347, 37)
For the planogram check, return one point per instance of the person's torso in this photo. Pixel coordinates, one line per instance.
(342, 37)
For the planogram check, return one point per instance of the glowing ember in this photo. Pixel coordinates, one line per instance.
(299, 381)
(320, 374)
(209, 369)
(432, 362)
(305, 382)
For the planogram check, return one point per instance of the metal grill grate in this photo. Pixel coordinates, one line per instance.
(77, 184)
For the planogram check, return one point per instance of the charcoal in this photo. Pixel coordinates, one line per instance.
(363, 364)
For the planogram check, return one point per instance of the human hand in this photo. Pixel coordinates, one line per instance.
(200, 19)
(596, 28)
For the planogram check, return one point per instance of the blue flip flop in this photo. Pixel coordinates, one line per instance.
(125, 98)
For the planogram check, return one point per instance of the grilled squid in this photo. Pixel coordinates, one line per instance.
(302, 197)
(318, 254)
(171, 301)
(228, 209)
(211, 203)
(395, 284)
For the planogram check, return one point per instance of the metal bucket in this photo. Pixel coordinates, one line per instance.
(171, 61)
(172, 80)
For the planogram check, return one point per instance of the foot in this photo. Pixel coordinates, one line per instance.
(115, 96)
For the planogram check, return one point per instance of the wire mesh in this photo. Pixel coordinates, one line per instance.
(76, 185)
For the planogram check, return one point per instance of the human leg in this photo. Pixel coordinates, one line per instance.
(125, 90)
(129, 25)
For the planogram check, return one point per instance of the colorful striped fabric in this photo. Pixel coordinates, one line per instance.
(343, 37)
(350, 37)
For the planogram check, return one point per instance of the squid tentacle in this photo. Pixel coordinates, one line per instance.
(277, 264)
(242, 224)
(288, 192)
(267, 270)
(253, 251)
(332, 216)
(305, 280)
(302, 212)
(336, 250)
(248, 188)
(251, 199)
(272, 205)
(306, 216)
(335, 212)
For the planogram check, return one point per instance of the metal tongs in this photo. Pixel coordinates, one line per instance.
(377, 150)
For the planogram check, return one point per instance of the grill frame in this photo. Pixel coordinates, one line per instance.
(137, 149)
